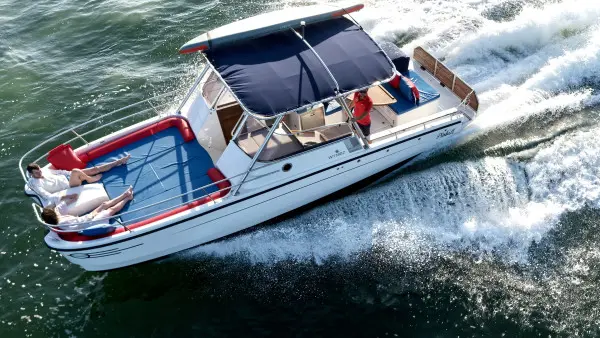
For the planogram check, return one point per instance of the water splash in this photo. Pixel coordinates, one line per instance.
(488, 207)
(492, 207)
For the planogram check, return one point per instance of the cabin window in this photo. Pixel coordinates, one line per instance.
(281, 144)
(296, 133)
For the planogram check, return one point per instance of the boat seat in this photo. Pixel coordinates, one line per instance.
(247, 144)
(403, 104)
(335, 132)
(278, 146)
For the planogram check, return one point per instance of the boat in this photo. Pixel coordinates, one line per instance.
(266, 128)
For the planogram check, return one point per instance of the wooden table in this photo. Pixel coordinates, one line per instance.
(379, 95)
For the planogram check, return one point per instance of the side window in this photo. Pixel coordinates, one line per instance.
(212, 87)
(296, 133)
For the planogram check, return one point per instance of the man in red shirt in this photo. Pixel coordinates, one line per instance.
(363, 104)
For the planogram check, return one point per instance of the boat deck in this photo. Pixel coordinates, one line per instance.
(161, 166)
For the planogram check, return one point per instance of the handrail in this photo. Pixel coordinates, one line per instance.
(58, 227)
(95, 129)
(106, 125)
(423, 122)
(191, 90)
(218, 97)
(466, 102)
(234, 130)
(84, 124)
(298, 132)
(148, 100)
(326, 126)
(301, 37)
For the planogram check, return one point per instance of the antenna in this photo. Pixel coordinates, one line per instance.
(303, 25)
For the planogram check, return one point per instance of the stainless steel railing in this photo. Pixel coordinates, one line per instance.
(156, 108)
(103, 116)
(451, 114)
(79, 136)
(61, 229)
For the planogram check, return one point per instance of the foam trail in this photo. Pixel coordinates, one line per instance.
(568, 172)
(518, 66)
(491, 207)
(420, 206)
(515, 105)
(559, 77)
(453, 206)
(572, 69)
(549, 89)
(532, 30)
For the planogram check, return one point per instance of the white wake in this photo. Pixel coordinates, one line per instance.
(540, 61)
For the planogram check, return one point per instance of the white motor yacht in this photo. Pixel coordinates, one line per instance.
(266, 128)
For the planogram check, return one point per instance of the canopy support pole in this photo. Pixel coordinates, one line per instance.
(218, 97)
(342, 102)
(192, 89)
(237, 129)
(301, 37)
(260, 149)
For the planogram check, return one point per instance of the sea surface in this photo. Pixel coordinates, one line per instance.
(497, 234)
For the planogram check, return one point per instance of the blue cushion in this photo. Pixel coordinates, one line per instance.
(97, 230)
(403, 105)
(405, 90)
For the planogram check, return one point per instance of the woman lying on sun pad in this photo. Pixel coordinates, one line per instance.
(99, 215)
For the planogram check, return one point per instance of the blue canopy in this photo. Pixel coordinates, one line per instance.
(278, 73)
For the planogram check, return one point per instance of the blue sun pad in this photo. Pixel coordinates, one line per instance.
(161, 166)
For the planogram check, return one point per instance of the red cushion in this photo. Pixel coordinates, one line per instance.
(395, 81)
(413, 88)
(215, 175)
(184, 128)
(103, 149)
(64, 158)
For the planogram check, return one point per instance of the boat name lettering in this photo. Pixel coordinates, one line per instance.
(338, 153)
(446, 133)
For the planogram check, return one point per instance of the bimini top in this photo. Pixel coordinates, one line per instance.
(278, 72)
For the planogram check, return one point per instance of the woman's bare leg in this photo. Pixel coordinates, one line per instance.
(95, 170)
(123, 196)
(126, 195)
(78, 176)
(113, 210)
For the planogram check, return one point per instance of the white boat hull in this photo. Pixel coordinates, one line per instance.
(249, 208)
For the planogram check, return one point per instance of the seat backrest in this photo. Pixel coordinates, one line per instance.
(408, 90)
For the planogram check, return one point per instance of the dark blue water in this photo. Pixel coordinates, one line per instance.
(496, 235)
